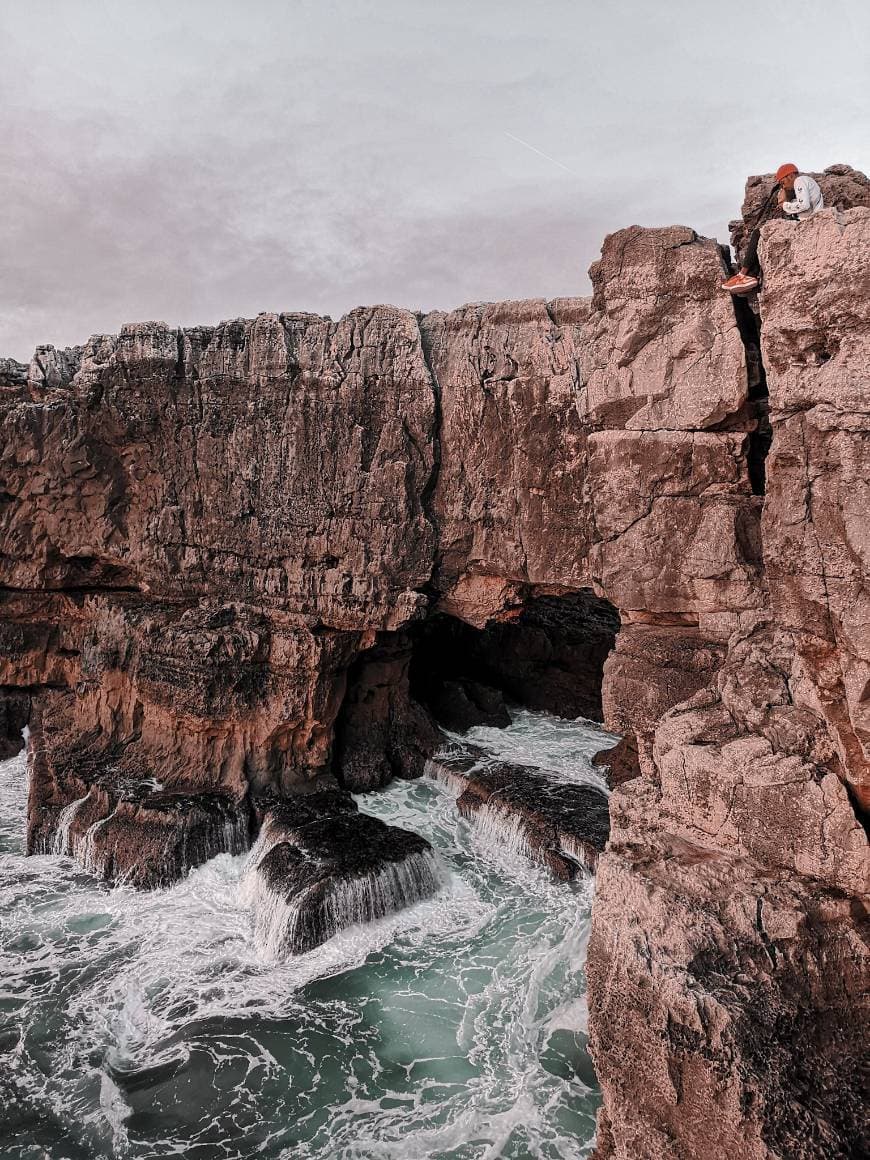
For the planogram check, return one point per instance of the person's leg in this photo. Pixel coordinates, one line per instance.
(749, 265)
(746, 278)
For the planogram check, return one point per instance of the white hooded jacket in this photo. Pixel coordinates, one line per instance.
(807, 199)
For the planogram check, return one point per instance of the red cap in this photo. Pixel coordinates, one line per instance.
(785, 170)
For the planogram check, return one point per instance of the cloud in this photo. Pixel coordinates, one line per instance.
(202, 161)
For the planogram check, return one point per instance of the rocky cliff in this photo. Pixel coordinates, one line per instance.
(228, 554)
(729, 957)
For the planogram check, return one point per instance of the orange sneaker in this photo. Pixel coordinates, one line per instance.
(740, 284)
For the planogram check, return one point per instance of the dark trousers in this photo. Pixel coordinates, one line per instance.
(750, 255)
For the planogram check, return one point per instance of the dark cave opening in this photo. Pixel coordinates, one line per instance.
(15, 706)
(547, 655)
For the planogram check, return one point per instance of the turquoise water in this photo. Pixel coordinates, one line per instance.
(146, 1025)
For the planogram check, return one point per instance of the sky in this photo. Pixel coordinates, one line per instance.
(196, 161)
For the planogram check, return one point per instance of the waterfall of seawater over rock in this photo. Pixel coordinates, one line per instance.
(219, 827)
(148, 1025)
(347, 901)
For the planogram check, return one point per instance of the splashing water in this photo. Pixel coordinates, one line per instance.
(556, 746)
(279, 923)
(147, 1024)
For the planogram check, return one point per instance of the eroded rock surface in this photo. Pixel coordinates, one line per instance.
(219, 546)
(729, 1001)
(729, 955)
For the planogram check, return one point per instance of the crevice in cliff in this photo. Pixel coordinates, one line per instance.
(427, 494)
(760, 438)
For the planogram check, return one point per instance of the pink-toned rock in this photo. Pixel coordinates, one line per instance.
(659, 350)
(253, 460)
(652, 668)
(729, 952)
(735, 791)
(675, 522)
(816, 336)
(728, 1001)
(217, 546)
(510, 502)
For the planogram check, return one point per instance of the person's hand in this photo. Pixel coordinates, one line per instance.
(780, 197)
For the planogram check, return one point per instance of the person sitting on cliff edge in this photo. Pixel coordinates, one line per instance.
(806, 200)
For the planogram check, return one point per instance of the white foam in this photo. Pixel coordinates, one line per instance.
(61, 843)
(411, 1036)
(558, 746)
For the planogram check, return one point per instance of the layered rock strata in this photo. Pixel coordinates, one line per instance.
(219, 548)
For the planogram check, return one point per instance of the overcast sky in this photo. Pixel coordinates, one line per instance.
(192, 161)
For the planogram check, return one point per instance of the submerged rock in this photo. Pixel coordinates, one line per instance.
(320, 865)
(562, 825)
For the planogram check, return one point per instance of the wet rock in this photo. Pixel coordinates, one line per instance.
(132, 832)
(381, 732)
(460, 705)
(560, 825)
(320, 866)
(14, 715)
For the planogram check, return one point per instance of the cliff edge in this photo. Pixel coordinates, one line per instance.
(223, 550)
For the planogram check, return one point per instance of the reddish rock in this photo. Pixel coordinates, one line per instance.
(728, 1001)
(677, 524)
(729, 942)
(816, 338)
(381, 732)
(120, 824)
(509, 503)
(253, 460)
(660, 352)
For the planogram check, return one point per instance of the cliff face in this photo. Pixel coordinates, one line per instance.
(729, 947)
(219, 548)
